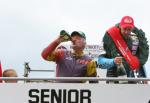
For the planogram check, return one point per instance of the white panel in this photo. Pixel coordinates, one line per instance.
(100, 93)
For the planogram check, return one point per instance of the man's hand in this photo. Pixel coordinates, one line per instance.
(64, 35)
(118, 60)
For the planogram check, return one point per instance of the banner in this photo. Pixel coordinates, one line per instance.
(92, 50)
(74, 93)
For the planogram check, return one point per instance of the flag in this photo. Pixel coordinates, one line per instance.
(0, 71)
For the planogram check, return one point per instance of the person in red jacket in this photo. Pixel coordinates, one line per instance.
(70, 63)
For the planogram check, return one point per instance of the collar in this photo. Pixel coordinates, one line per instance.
(78, 54)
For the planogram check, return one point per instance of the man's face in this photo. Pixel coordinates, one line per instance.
(78, 43)
(126, 31)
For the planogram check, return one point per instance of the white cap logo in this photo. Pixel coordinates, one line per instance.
(128, 20)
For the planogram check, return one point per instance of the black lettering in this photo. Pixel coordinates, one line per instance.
(70, 96)
(85, 97)
(43, 95)
(64, 96)
(31, 95)
(56, 96)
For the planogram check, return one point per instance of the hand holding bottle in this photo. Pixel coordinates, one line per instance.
(65, 35)
(118, 60)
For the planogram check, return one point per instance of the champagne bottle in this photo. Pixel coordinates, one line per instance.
(121, 69)
(65, 35)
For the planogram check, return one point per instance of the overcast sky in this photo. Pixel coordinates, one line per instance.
(28, 26)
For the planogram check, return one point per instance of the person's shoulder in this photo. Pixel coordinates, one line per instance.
(140, 34)
(113, 29)
(138, 31)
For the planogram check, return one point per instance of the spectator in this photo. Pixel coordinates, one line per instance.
(10, 73)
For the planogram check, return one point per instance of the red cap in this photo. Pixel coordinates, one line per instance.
(127, 21)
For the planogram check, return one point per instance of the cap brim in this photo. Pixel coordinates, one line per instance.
(77, 33)
(127, 26)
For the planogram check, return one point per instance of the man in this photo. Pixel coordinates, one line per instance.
(70, 63)
(10, 73)
(125, 45)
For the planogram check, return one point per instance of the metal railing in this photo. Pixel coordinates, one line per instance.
(27, 70)
(74, 79)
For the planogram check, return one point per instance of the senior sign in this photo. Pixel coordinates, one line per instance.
(74, 93)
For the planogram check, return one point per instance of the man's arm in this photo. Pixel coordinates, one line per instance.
(105, 63)
(50, 53)
(143, 50)
(91, 70)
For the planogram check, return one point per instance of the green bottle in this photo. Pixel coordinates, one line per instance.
(65, 35)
